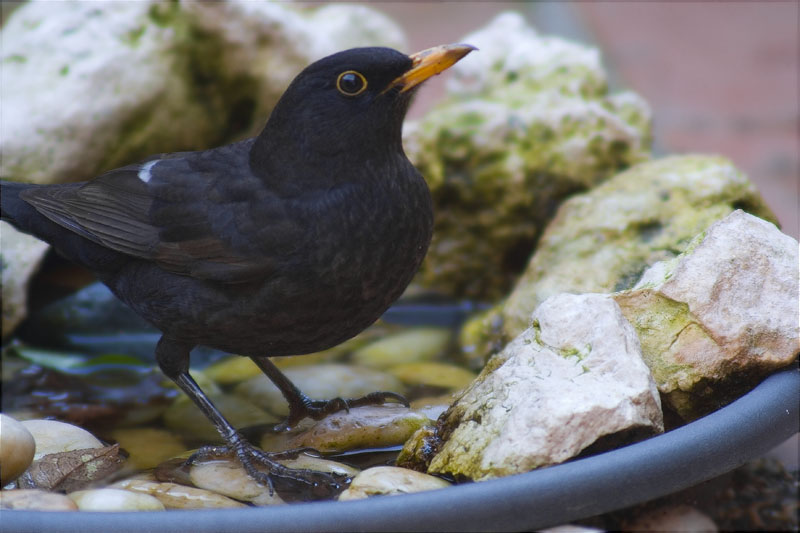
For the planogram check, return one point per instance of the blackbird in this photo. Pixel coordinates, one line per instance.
(284, 244)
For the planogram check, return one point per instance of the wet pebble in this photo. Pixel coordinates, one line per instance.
(175, 496)
(388, 480)
(17, 448)
(35, 500)
(413, 345)
(114, 500)
(147, 447)
(442, 375)
(228, 477)
(361, 428)
(319, 382)
(52, 436)
(184, 417)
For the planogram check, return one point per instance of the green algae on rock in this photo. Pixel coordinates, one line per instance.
(526, 122)
(602, 240)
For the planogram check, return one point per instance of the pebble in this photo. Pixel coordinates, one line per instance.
(17, 448)
(375, 426)
(114, 500)
(184, 417)
(388, 480)
(228, 477)
(35, 500)
(175, 496)
(148, 447)
(413, 345)
(52, 436)
(443, 375)
(318, 382)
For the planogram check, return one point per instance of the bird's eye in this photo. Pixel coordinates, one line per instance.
(351, 83)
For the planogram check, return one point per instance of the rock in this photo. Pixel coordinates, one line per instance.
(720, 316)
(413, 345)
(603, 240)
(52, 436)
(114, 500)
(574, 379)
(184, 417)
(174, 76)
(440, 375)
(675, 518)
(17, 448)
(361, 428)
(20, 256)
(174, 496)
(318, 382)
(526, 122)
(35, 500)
(148, 447)
(388, 480)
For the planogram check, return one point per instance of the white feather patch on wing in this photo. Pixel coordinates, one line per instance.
(144, 172)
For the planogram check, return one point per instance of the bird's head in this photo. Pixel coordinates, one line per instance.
(351, 102)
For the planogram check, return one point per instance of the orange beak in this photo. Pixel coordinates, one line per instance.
(430, 62)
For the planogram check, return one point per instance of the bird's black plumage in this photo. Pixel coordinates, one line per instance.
(284, 244)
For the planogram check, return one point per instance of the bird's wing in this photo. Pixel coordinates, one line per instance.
(190, 215)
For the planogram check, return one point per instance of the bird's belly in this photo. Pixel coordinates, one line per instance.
(317, 303)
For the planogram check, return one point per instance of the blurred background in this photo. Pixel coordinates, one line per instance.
(721, 77)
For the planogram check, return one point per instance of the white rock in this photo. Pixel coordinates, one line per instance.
(387, 480)
(89, 86)
(20, 256)
(576, 375)
(725, 307)
(114, 500)
(17, 448)
(52, 436)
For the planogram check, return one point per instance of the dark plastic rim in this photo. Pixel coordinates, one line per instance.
(706, 448)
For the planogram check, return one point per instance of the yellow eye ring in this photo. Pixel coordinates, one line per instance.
(351, 83)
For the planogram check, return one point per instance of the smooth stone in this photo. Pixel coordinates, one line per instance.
(318, 382)
(389, 480)
(574, 376)
(114, 500)
(52, 436)
(228, 477)
(17, 448)
(717, 318)
(148, 447)
(35, 500)
(175, 496)
(368, 427)
(440, 375)
(417, 344)
(232, 370)
(184, 417)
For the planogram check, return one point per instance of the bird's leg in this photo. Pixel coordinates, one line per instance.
(301, 406)
(291, 484)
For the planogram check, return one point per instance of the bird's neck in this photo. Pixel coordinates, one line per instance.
(290, 163)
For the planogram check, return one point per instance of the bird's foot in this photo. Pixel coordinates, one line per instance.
(291, 484)
(305, 407)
